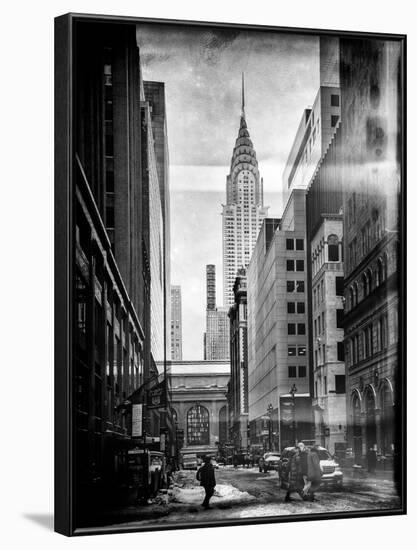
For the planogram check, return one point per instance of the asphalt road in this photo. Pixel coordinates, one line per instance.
(256, 495)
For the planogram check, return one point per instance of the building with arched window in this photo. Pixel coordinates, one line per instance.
(371, 135)
(198, 399)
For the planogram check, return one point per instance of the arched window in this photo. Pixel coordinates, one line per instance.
(370, 280)
(351, 298)
(333, 248)
(355, 294)
(365, 285)
(198, 426)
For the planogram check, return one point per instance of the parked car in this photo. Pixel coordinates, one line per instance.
(271, 461)
(332, 474)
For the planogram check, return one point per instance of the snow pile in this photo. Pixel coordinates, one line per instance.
(222, 494)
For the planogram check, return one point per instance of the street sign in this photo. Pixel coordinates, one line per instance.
(137, 411)
(156, 396)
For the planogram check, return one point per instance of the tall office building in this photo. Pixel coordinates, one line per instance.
(217, 336)
(318, 123)
(155, 98)
(176, 323)
(244, 211)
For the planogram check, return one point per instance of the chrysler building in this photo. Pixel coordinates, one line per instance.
(244, 212)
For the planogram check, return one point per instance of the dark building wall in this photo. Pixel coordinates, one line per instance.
(108, 139)
(110, 325)
(371, 182)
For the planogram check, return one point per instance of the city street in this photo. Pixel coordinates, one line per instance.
(246, 493)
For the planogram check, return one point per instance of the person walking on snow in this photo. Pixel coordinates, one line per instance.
(207, 479)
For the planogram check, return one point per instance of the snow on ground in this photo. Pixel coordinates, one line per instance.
(222, 494)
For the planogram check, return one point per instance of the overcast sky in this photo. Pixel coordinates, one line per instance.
(202, 68)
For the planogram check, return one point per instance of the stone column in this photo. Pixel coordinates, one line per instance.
(378, 430)
(363, 432)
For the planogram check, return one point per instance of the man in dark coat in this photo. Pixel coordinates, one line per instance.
(313, 473)
(206, 477)
(290, 474)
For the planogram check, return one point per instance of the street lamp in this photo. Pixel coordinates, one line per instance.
(270, 410)
(293, 391)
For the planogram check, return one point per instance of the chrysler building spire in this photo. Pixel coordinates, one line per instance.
(244, 211)
(243, 95)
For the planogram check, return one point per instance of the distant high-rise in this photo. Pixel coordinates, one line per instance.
(244, 211)
(176, 323)
(211, 286)
(216, 337)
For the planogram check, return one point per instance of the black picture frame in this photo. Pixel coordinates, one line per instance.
(64, 276)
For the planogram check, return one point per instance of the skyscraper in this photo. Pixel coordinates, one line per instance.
(176, 323)
(244, 210)
(217, 336)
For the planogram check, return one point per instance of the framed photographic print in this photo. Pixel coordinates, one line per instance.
(230, 274)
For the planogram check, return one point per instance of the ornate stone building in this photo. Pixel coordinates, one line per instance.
(371, 108)
(238, 387)
(198, 400)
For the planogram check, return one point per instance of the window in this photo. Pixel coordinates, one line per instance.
(290, 286)
(299, 244)
(291, 351)
(302, 371)
(291, 328)
(334, 100)
(339, 318)
(334, 119)
(315, 328)
(110, 216)
(292, 372)
(290, 307)
(340, 383)
(198, 426)
(299, 265)
(301, 350)
(340, 351)
(290, 265)
(301, 328)
(333, 248)
(339, 286)
(319, 324)
(301, 307)
(290, 244)
(325, 385)
(300, 286)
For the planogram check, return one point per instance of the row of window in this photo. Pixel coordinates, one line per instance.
(320, 354)
(294, 350)
(339, 385)
(292, 371)
(296, 307)
(296, 328)
(298, 243)
(371, 339)
(295, 265)
(370, 279)
(318, 291)
(295, 286)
